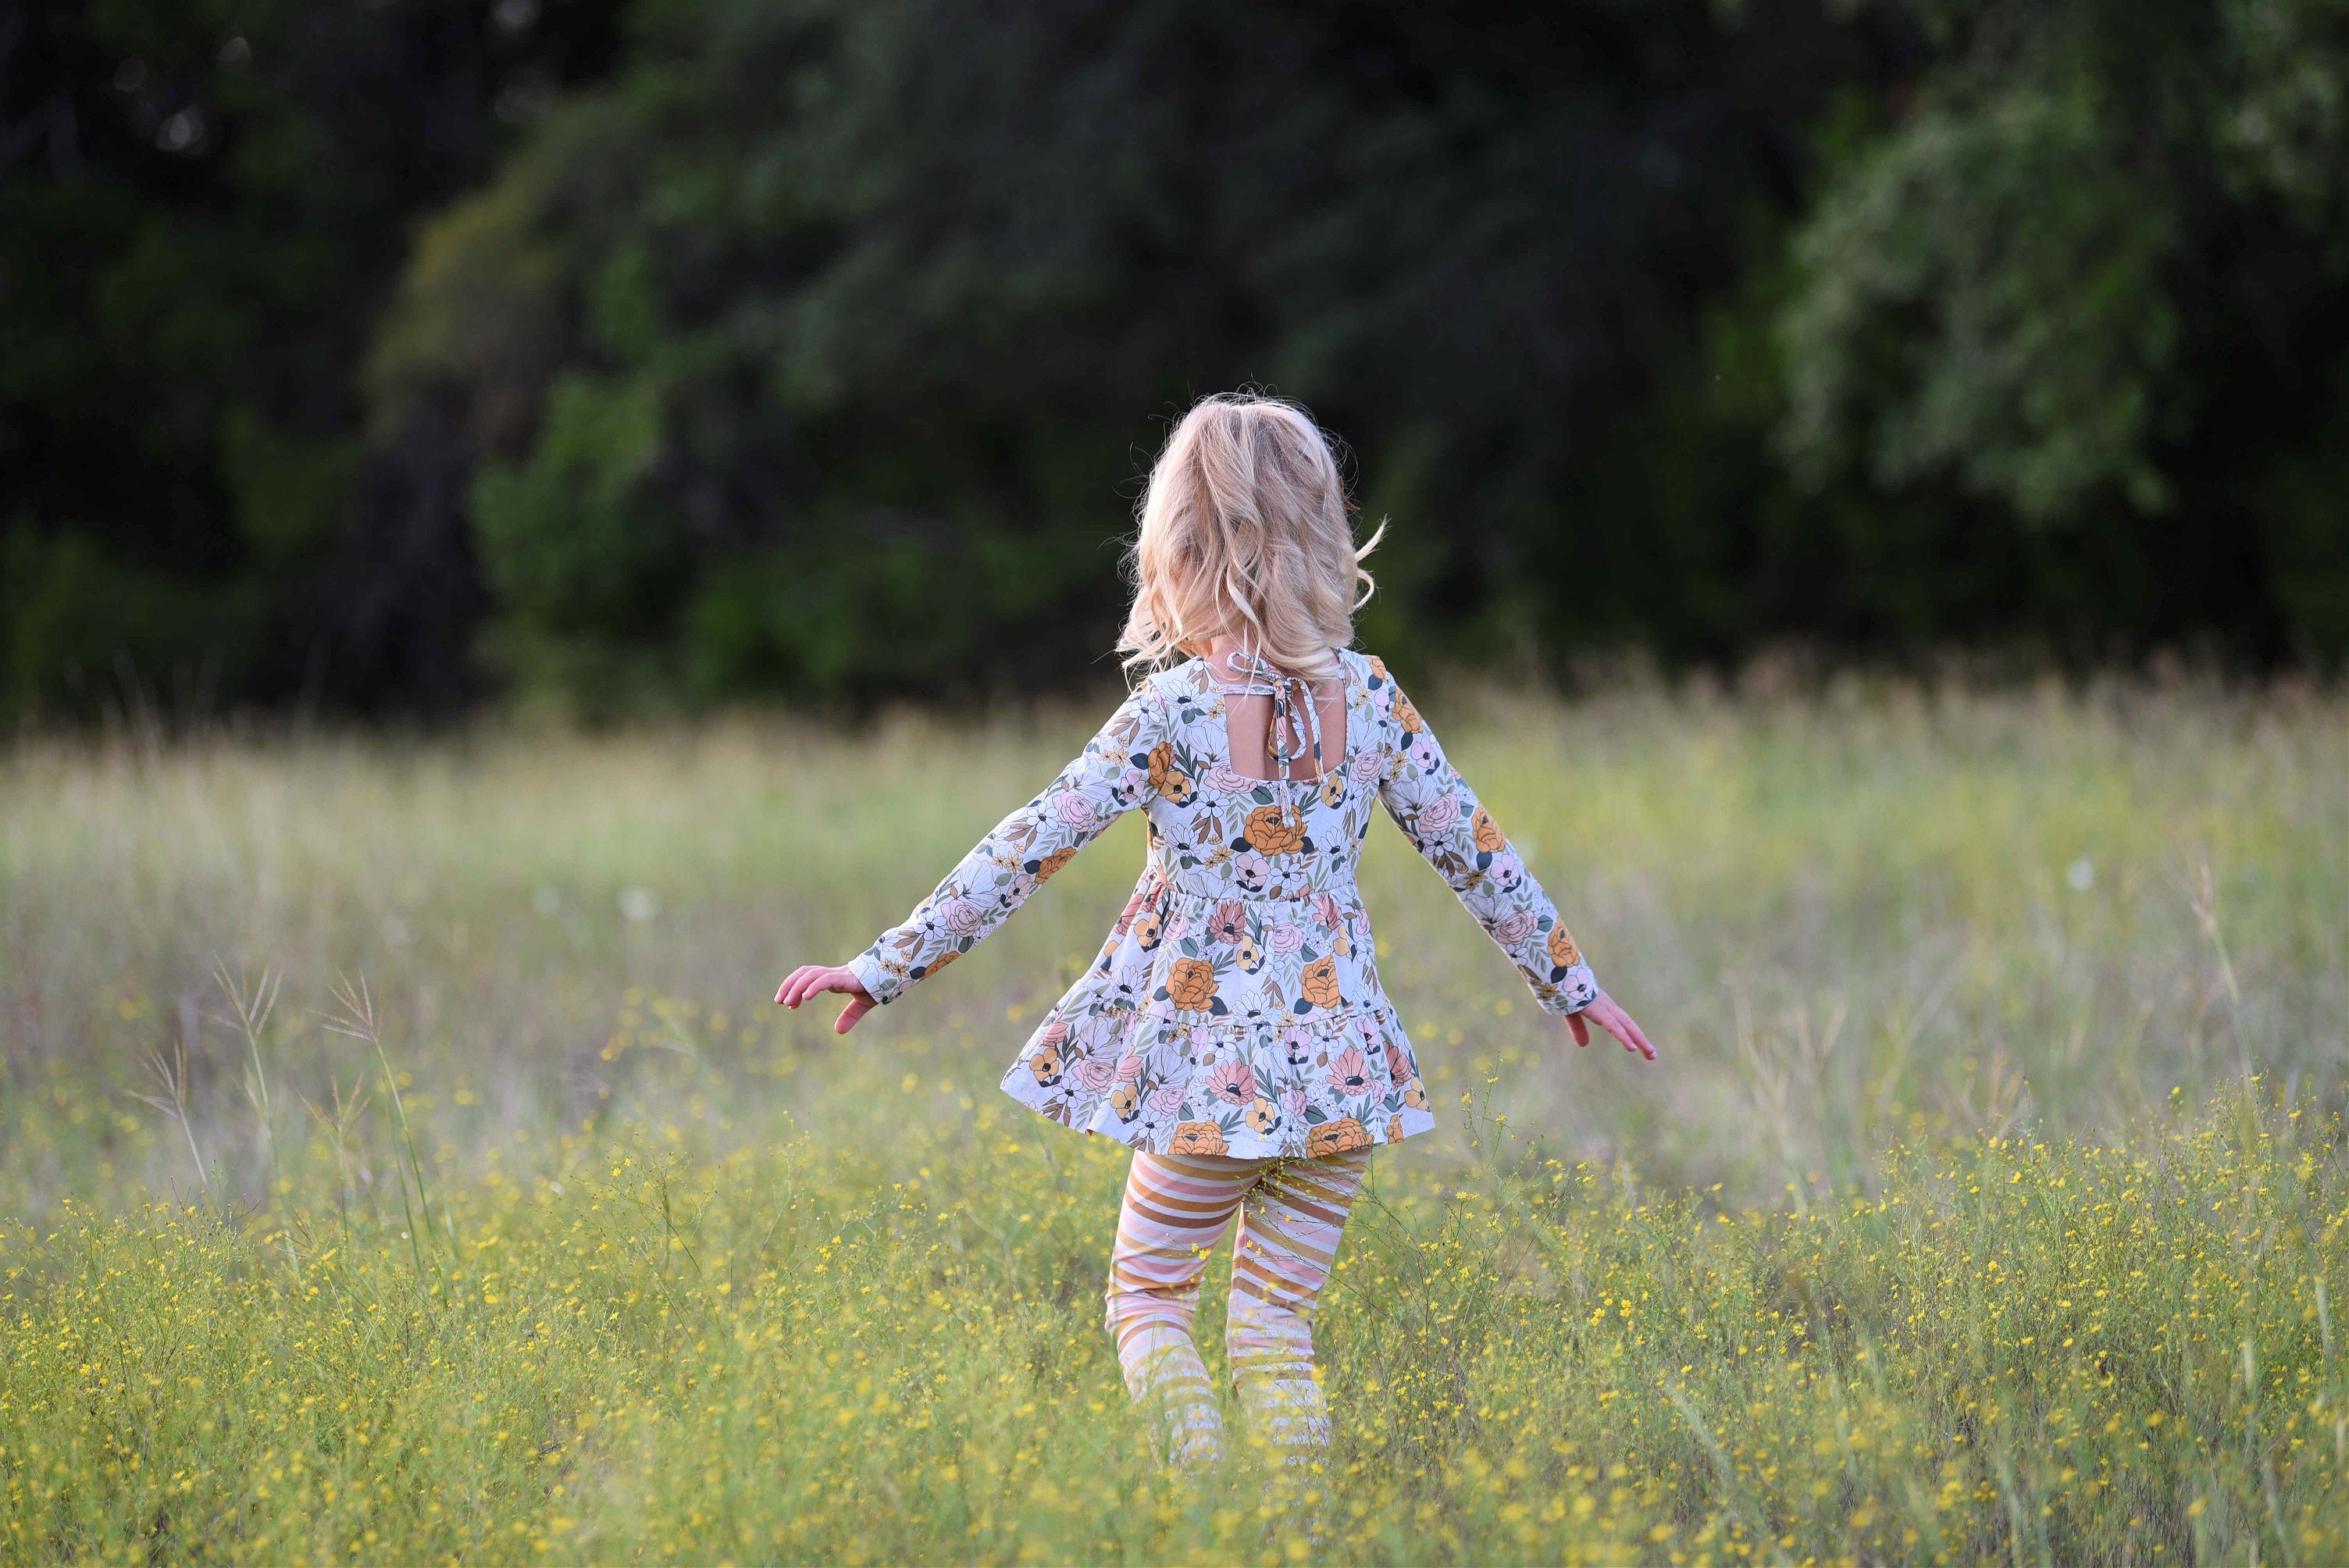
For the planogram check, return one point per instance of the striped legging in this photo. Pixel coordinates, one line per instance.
(1177, 1205)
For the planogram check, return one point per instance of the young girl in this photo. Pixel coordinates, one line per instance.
(1233, 1030)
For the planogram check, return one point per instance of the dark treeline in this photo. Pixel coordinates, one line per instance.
(386, 355)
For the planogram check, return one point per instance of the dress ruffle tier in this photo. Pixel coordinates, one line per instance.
(1236, 1007)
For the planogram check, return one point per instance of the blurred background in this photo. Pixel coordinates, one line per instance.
(384, 356)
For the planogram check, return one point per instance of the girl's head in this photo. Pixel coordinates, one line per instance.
(1244, 533)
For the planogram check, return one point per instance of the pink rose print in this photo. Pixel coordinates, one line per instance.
(1095, 1074)
(960, 916)
(1292, 1100)
(1055, 1035)
(1129, 1068)
(1178, 925)
(1350, 1073)
(1283, 939)
(1075, 810)
(1514, 928)
(1168, 1100)
(1438, 814)
(1367, 766)
(1229, 924)
(1233, 1082)
(1224, 781)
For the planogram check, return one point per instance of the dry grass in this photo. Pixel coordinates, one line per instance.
(1949, 1226)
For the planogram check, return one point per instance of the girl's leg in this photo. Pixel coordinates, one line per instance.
(1289, 1227)
(1176, 1209)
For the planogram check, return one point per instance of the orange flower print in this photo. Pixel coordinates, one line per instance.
(1268, 832)
(1203, 1138)
(1487, 832)
(1133, 908)
(1191, 985)
(1246, 924)
(1329, 1137)
(1170, 781)
(1319, 982)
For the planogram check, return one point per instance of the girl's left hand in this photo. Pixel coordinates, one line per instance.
(813, 980)
(1615, 1021)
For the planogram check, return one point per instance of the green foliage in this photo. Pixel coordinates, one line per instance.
(802, 348)
(202, 210)
(1984, 299)
(917, 314)
(2055, 283)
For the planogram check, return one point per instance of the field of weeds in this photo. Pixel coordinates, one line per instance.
(402, 1159)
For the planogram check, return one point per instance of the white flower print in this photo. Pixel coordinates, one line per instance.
(1236, 994)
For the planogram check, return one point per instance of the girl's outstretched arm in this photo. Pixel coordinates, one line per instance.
(1441, 817)
(1110, 777)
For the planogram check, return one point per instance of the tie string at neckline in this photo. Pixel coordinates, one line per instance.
(1260, 678)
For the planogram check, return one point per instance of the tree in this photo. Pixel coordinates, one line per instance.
(203, 206)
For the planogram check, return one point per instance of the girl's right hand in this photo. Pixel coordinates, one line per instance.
(1615, 1021)
(813, 980)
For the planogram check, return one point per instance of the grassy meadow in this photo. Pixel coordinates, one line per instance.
(399, 1159)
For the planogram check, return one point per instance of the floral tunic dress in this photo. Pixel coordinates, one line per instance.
(1235, 1008)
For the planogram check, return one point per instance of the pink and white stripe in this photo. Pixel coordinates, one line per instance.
(1292, 1213)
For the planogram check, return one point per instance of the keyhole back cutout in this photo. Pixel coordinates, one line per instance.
(1248, 732)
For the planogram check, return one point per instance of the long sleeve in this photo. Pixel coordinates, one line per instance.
(1109, 778)
(1442, 817)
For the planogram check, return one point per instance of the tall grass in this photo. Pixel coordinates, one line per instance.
(1987, 1201)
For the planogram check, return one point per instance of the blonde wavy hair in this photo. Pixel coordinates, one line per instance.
(1243, 531)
